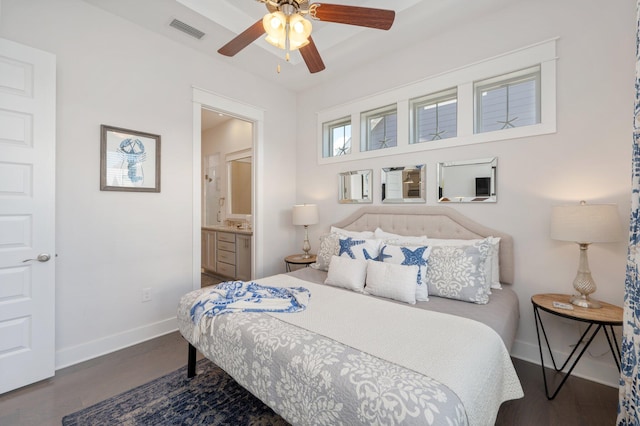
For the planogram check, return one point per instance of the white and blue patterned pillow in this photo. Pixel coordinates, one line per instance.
(458, 272)
(358, 248)
(410, 255)
(492, 264)
(328, 247)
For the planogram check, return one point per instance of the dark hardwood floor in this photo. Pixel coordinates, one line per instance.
(579, 403)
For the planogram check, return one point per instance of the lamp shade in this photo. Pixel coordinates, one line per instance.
(586, 223)
(305, 214)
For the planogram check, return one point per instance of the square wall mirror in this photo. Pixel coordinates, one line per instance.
(405, 184)
(468, 181)
(355, 187)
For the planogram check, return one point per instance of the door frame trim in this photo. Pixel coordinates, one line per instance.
(203, 98)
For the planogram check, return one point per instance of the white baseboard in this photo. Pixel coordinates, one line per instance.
(73, 355)
(602, 371)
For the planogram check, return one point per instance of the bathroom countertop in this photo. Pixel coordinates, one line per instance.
(224, 228)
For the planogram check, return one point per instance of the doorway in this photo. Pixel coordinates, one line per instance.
(227, 153)
(227, 192)
(234, 110)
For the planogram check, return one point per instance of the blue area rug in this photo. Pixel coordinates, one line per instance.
(212, 397)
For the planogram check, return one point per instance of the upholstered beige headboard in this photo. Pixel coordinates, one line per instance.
(434, 222)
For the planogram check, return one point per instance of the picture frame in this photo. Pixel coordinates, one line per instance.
(129, 160)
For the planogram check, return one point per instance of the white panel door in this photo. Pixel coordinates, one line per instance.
(27, 220)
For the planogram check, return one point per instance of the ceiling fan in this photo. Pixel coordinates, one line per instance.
(286, 26)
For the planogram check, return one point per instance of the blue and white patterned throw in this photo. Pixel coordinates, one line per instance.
(240, 296)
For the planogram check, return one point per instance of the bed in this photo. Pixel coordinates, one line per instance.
(352, 358)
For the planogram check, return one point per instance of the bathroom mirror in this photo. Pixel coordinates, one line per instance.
(467, 181)
(239, 183)
(355, 187)
(404, 184)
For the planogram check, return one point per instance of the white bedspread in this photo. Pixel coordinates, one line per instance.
(467, 356)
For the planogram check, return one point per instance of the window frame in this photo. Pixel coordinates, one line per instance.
(365, 121)
(426, 100)
(328, 141)
(506, 80)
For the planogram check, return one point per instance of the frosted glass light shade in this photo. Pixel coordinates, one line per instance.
(305, 214)
(299, 32)
(586, 223)
(277, 24)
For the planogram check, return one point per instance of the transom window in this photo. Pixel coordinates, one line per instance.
(508, 101)
(509, 96)
(434, 117)
(380, 128)
(338, 136)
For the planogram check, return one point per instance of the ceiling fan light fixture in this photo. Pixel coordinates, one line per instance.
(299, 31)
(279, 27)
(275, 26)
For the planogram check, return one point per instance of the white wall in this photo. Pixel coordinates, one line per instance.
(111, 245)
(588, 158)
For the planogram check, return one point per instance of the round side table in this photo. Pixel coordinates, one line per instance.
(298, 259)
(604, 318)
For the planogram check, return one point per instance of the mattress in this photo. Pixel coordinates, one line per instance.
(502, 313)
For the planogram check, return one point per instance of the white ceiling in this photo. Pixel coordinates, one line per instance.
(342, 47)
(210, 119)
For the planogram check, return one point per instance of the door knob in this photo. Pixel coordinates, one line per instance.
(43, 257)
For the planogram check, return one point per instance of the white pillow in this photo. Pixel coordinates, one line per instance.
(355, 234)
(397, 282)
(492, 265)
(397, 239)
(347, 273)
(358, 248)
(410, 255)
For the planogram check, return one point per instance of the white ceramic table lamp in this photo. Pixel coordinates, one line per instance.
(585, 224)
(305, 215)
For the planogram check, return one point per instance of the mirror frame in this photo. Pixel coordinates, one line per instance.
(422, 198)
(229, 158)
(491, 198)
(367, 187)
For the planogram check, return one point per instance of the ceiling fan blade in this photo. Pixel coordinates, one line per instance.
(312, 57)
(243, 39)
(381, 19)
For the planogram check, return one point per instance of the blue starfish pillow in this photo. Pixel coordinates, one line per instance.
(410, 255)
(358, 248)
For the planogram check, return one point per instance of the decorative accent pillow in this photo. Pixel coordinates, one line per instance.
(355, 234)
(329, 246)
(347, 273)
(410, 255)
(492, 265)
(392, 281)
(457, 272)
(357, 248)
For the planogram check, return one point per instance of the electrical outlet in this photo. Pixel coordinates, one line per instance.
(146, 294)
